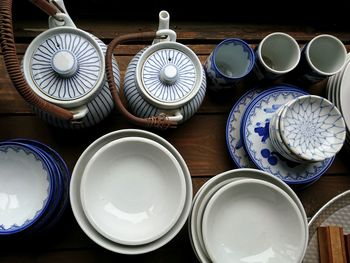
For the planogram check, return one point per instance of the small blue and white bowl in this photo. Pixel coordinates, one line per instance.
(312, 128)
(26, 188)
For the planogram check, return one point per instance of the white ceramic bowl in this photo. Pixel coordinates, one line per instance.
(312, 128)
(133, 190)
(251, 220)
(77, 208)
(196, 236)
(26, 187)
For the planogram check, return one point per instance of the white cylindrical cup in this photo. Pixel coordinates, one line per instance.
(322, 57)
(277, 54)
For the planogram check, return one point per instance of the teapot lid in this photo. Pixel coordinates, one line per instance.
(65, 66)
(169, 74)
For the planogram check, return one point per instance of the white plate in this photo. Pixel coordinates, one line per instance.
(337, 213)
(133, 190)
(78, 209)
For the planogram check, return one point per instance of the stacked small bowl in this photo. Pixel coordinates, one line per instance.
(247, 215)
(307, 129)
(34, 187)
(338, 92)
(131, 191)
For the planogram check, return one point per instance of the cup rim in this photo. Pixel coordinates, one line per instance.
(251, 53)
(261, 60)
(307, 54)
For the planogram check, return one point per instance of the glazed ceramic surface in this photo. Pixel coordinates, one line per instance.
(26, 187)
(77, 205)
(234, 141)
(165, 78)
(335, 212)
(218, 179)
(268, 223)
(230, 61)
(313, 128)
(255, 130)
(133, 204)
(65, 66)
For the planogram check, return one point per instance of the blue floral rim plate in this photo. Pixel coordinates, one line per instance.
(255, 135)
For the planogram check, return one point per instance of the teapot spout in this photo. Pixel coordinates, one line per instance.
(164, 19)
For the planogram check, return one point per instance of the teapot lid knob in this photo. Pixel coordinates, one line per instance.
(169, 74)
(64, 63)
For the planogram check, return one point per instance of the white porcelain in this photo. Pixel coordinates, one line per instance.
(76, 204)
(255, 134)
(322, 57)
(65, 66)
(312, 128)
(217, 179)
(230, 61)
(202, 206)
(252, 220)
(133, 190)
(234, 140)
(277, 54)
(26, 188)
(165, 78)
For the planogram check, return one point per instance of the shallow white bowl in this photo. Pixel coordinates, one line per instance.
(312, 128)
(133, 190)
(251, 220)
(77, 208)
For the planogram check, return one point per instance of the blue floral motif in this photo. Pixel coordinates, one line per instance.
(239, 144)
(263, 131)
(273, 108)
(271, 156)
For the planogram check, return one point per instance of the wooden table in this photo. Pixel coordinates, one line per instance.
(201, 140)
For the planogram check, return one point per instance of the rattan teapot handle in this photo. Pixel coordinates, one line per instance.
(12, 64)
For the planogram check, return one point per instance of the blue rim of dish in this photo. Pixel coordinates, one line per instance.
(14, 228)
(246, 48)
(282, 87)
(252, 91)
(65, 178)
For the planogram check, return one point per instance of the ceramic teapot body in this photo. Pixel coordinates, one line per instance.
(165, 78)
(66, 67)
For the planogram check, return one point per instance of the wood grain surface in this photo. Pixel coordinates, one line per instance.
(201, 140)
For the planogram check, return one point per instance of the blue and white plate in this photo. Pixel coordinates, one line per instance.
(233, 130)
(255, 133)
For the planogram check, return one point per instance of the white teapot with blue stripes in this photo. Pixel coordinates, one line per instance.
(165, 78)
(65, 66)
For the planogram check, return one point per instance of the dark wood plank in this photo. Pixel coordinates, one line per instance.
(201, 141)
(186, 31)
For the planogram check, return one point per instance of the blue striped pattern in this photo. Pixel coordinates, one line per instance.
(142, 108)
(162, 91)
(57, 87)
(99, 107)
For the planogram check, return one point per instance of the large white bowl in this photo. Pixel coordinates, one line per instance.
(251, 220)
(133, 190)
(199, 199)
(77, 208)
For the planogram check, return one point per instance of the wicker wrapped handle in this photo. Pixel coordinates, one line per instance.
(13, 66)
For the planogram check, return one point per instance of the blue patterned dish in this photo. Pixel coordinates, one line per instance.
(234, 142)
(312, 128)
(255, 132)
(26, 188)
